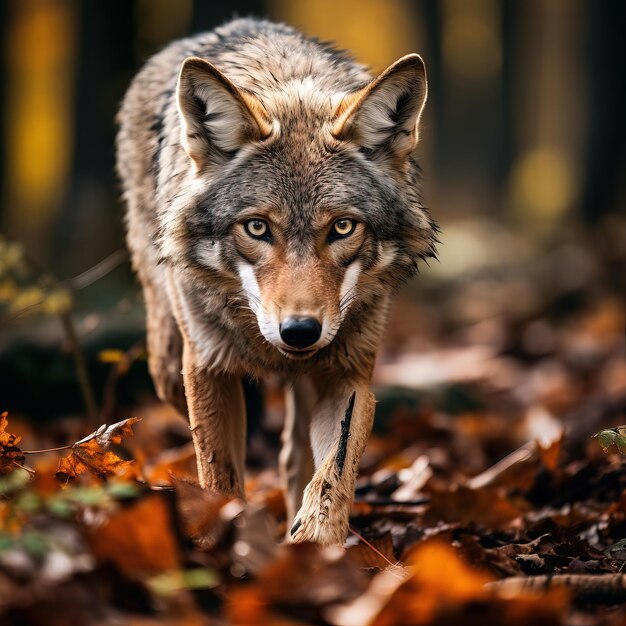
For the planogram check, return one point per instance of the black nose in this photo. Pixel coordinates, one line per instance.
(300, 332)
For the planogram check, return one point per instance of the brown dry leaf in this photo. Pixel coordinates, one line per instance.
(171, 464)
(379, 554)
(304, 579)
(200, 512)
(114, 432)
(248, 605)
(550, 452)
(445, 590)
(90, 453)
(44, 480)
(439, 580)
(460, 504)
(10, 454)
(271, 498)
(274, 502)
(7, 439)
(138, 539)
(90, 457)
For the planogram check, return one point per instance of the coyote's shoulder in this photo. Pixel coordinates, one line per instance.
(273, 207)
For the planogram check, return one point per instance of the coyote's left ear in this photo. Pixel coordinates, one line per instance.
(383, 117)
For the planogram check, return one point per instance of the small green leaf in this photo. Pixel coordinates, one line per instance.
(173, 581)
(120, 490)
(35, 543)
(617, 550)
(88, 496)
(60, 507)
(28, 502)
(201, 578)
(14, 481)
(612, 436)
(7, 541)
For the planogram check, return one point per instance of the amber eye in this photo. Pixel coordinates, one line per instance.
(344, 227)
(257, 228)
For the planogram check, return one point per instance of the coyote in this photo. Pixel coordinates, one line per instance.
(273, 207)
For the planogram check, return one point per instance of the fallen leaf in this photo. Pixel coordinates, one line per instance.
(303, 580)
(444, 590)
(139, 539)
(550, 453)
(179, 462)
(90, 457)
(612, 437)
(378, 554)
(249, 606)
(488, 506)
(200, 512)
(90, 454)
(11, 456)
(106, 435)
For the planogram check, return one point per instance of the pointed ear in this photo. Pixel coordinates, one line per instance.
(383, 117)
(217, 118)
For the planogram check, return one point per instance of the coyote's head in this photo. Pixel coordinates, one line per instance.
(307, 195)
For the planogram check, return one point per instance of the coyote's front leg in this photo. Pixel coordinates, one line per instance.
(217, 422)
(341, 424)
(215, 402)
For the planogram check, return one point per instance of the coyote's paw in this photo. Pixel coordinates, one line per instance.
(323, 516)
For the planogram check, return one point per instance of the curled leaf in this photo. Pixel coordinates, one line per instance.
(90, 454)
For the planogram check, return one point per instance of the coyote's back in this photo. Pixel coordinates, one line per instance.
(272, 207)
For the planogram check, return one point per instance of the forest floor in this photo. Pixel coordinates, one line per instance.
(483, 496)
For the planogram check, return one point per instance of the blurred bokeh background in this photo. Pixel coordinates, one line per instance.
(523, 152)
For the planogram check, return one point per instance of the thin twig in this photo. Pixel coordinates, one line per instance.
(26, 309)
(98, 271)
(72, 338)
(108, 396)
(523, 454)
(81, 368)
(26, 469)
(369, 545)
(46, 450)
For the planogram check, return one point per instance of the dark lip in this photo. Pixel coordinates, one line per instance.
(302, 354)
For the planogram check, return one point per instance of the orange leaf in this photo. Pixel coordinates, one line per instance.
(550, 452)
(444, 590)
(10, 455)
(200, 512)
(440, 580)
(173, 463)
(91, 455)
(139, 539)
(106, 435)
(247, 605)
(7, 439)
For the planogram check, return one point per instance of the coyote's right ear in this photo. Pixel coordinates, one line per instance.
(383, 117)
(217, 118)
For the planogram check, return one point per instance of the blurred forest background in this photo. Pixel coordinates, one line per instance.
(523, 152)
